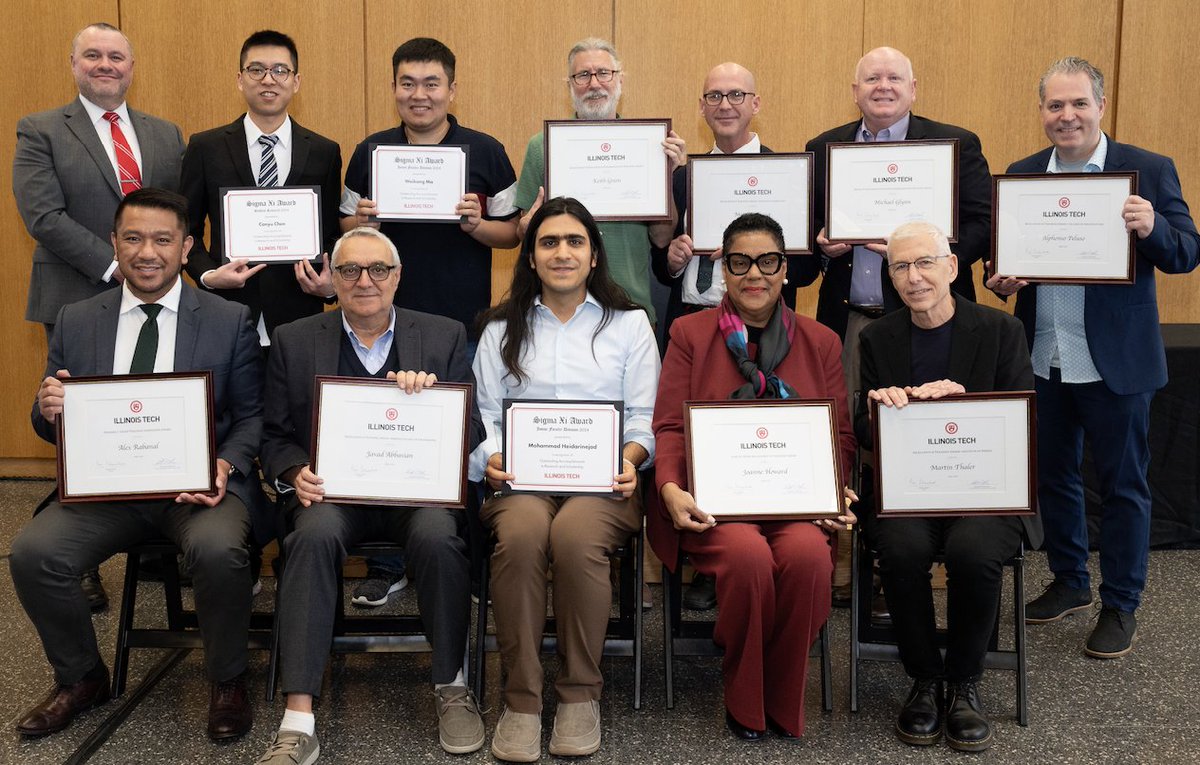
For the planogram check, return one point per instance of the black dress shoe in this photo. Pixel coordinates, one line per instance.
(967, 730)
(779, 730)
(920, 720)
(93, 590)
(741, 731)
(701, 594)
(229, 712)
(66, 701)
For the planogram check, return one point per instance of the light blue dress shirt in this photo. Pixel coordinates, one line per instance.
(1060, 337)
(564, 361)
(372, 358)
(866, 277)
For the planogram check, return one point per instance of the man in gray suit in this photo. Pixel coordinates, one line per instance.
(154, 323)
(74, 164)
(366, 337)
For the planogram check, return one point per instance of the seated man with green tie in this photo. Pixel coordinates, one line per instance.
(152, 324)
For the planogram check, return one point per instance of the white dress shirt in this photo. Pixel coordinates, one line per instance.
(104, 133)
(283, 148)
(129, 326)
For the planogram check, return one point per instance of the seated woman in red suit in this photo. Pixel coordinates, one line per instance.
(773, 578)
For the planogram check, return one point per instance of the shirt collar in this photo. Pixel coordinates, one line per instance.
(1097, 160)
(284, 133)
(96, 113)
(753, 146)
(391, 330)
(588, 299)
(170, 301)
(445, 139)
(897, 131)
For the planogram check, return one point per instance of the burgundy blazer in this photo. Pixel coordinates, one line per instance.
(699, 367)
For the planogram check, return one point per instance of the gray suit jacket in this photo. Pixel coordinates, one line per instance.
(311, 346)
(212, 334)
(67, 194)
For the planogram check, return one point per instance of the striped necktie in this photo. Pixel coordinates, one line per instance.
(128, 174)
(268, 174)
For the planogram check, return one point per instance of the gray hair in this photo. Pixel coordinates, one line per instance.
(364, 231)
(592, 43)
(1074, 65)
(920, 228)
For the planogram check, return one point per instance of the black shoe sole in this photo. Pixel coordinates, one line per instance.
(1060, 616)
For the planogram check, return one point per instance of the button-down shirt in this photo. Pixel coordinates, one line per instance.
(104, 132)
(562, 360)
(129, 326)
(866, 276)
(372, 358)
(282, 151)
(1060, 337)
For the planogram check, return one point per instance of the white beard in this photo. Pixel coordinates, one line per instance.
(597, 109)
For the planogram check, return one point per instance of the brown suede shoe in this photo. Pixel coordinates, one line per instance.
(229, 712)
(66, 701)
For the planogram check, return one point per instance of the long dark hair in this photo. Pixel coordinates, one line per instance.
(515, 309)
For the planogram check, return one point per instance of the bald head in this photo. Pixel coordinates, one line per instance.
(884, 87)
(729, 122)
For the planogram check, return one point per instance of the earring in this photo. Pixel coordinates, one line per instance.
(785, 280)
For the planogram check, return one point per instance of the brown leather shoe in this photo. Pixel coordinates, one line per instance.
(229, 712)
(66, 701)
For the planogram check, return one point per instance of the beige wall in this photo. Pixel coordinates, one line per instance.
(977, 65)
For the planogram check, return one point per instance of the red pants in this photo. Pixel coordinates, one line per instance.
(773, 588)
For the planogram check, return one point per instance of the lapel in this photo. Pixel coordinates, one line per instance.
(916, 128)
(327, 343)
(407, 342)
(187, 329)
(1115, 158)
(76, 119)
(964, 345)
(239, 154)
(300, 147)
(147, 147)
(106, 332)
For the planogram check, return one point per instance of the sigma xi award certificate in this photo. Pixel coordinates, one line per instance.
(562, 446)
(416, 183)
(280, 224)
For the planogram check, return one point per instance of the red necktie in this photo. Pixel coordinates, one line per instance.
(128, 174)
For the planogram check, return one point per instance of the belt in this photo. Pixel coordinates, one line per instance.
(870, 311)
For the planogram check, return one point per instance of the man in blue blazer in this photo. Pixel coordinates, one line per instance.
(177, 329)
(1098, 359)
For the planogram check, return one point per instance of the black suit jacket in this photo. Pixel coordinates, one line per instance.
(217, 159)
(311, 346)
(987, 353)
(211, 334)
(974, 221)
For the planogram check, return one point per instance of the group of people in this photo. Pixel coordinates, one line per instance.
(96, 184)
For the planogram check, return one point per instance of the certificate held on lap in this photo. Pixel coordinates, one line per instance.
(376, 445)
(764, 460)
(562, 447)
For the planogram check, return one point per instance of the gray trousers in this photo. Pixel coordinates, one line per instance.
(62, 541)
(314, 553)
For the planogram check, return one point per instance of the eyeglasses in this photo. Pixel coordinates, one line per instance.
(602, 75)
(923, 264)
(736, 97)
(768, 263)
(351, 271)
(279, 73)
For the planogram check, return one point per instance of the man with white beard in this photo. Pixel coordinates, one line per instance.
(594, 77)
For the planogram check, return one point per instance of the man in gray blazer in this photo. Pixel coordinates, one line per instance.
(67, 173)
(154, 323)
(369, 338)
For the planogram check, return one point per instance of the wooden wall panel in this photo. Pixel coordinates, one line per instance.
(37, 78)
(1158, 46)
(802, 54)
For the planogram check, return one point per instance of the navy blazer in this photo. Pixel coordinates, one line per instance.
(1121, 320)
(974, 221)
(211, 334)
(987, 353)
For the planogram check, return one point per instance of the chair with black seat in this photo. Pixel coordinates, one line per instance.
(689, 637)
(873, 639)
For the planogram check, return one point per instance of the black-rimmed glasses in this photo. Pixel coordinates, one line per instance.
(602, 75)
(257, 72)
(351, 271)
(738, 263)
(736, 97)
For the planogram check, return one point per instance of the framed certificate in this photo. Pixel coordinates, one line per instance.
(562, 447)
(373, 444)
(617, 168)
(970, 454)
(764, 460)
(723, 186)
(280, 224)
(1063, 228)
(130, 437)
(872, 188)
(416, 183)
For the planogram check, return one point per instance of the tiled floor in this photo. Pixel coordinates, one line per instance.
(377, 708)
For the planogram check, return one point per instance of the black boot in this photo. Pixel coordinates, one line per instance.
(920, 721)
(967, 730)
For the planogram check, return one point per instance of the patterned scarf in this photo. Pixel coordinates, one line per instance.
(774, 345)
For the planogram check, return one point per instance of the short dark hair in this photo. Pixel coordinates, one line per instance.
(273, 38)
(425, 49)
(157, 199)
(749, 223)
